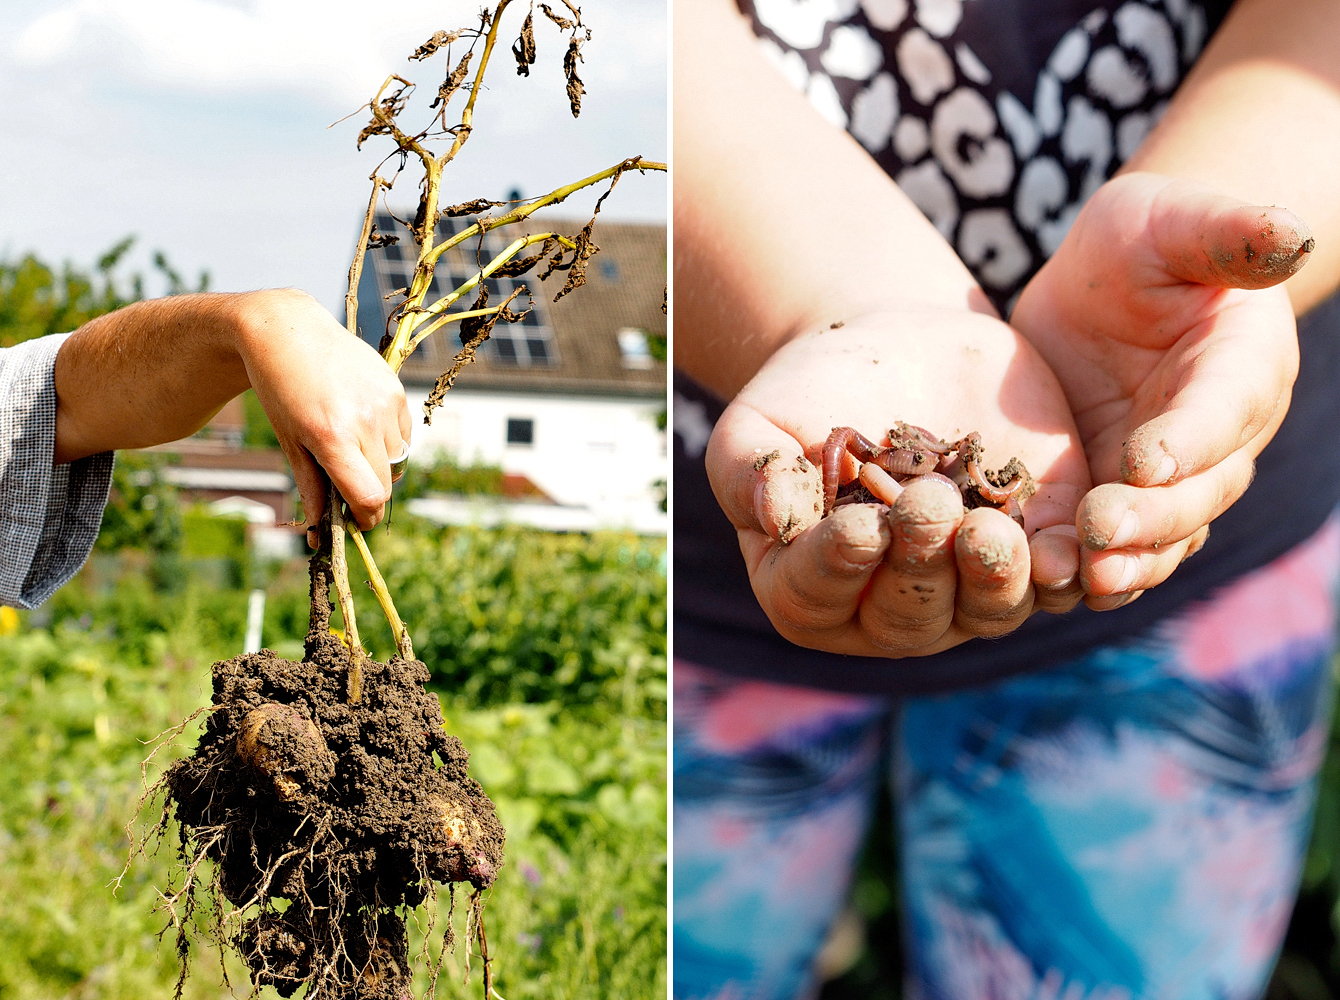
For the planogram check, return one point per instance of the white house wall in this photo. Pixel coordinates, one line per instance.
(599, 452)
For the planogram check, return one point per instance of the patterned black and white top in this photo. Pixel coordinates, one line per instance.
(998, 118)
(49, 514)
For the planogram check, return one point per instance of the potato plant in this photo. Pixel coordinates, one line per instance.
(325, 800)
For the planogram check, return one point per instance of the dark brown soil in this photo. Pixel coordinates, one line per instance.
(322, 817)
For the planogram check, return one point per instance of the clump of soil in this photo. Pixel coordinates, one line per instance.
(322, 816)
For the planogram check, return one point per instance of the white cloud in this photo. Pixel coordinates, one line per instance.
(201, 125)
(336, 50)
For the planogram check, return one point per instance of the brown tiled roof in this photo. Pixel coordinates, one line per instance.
(585, 323)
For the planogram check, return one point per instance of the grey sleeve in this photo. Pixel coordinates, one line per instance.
(49, 514)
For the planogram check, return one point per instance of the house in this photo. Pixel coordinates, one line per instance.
(571, 397)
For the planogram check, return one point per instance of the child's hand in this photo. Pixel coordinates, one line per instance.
(920, 576)
(1178, 375)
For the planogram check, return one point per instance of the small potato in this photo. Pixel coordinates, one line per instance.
(286, 746)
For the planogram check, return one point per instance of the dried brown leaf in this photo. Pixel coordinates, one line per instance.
(472, 327)
(575, 86)
(470, 207)
(376, 239)
(586, 249)
(524, 47)
(453, 82)
(558, 19)
(388, 107)
(513, 268)
(439, 39)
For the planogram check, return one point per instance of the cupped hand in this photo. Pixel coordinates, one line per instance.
(1163, 315)
(920, 575)
(335, 405)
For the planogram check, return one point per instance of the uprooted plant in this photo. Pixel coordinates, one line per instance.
(324, 800)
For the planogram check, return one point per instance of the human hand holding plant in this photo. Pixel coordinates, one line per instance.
(336, 407)
(157, 371)
(922, 575)
(1163, 316)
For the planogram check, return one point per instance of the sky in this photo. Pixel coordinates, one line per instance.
(200, 127)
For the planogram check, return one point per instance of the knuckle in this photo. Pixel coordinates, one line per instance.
(988, 624)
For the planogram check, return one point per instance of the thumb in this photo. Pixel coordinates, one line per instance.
(1212, 239)
(760, 475)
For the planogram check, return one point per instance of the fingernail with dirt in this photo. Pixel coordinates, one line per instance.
(995, 554)
(788, 497)
(1130, 568)
(862, 535)
(1126, 530)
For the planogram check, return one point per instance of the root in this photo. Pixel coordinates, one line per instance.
(311, 827)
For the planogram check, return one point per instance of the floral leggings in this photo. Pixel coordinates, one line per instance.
(1128, 824)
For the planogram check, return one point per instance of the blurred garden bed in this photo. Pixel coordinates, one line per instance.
(548, 652)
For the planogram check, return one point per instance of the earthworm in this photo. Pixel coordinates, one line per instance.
(914, 453)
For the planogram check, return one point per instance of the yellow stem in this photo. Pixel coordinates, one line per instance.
(339, 567)
(356, 268)
(398, 629)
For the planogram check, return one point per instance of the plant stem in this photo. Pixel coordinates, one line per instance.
(339, 566)
(356, 268)
(398, 629)
(413, 315)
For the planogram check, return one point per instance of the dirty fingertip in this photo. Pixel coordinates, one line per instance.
(788, 496)
(1147, 460)
(990, 546)
(927, 501)
(1106, 519)
(859, 533)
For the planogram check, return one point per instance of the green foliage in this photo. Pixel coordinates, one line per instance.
(257, 432)
(209, 536)
(509, 614)
(578, 911)
(36, 300)
(578, 773)
(142, 512)
(443, 474)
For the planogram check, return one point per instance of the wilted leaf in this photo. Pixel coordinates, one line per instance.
(475, 325)
(575, 86)
(376, 239)
(559, 20)
(385, 113)
(470, 207)
(524, 48)
(520, 266)
(439, 39)
(453, 82)
(586, 249)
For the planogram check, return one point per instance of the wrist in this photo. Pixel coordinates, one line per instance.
(261, 322)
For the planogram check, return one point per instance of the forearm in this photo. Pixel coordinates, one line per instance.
(783, 223)
(153, 372)
(1259, 118)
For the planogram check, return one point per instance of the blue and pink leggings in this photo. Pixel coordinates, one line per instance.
(1131, 824)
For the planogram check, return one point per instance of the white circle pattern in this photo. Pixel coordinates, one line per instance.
(1001, 176)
